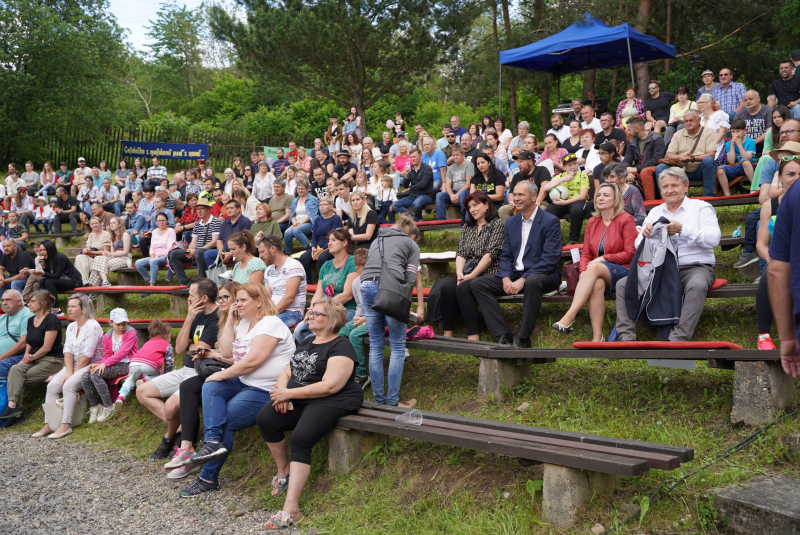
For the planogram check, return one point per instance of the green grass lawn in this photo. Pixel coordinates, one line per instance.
(403, 486)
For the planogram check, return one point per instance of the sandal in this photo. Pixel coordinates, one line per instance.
(279, 485)
(563, 330)
(281, 521)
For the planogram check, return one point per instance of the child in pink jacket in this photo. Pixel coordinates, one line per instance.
(147, 363)
(120, 345)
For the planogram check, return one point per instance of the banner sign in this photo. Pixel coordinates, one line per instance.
(272, 152)
(165, 151)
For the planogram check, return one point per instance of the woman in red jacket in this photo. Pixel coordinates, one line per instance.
(608, 247)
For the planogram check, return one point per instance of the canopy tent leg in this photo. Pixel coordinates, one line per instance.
(630, 59)
(500, 95)
(559, 90)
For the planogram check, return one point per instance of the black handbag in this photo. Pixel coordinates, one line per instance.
(469, 267)
(206, 366)
(393, 297)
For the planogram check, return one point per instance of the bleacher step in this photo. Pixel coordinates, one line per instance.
(768, 505)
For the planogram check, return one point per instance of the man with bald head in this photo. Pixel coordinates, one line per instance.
(756, 116)
(13, 331)
(12, 266)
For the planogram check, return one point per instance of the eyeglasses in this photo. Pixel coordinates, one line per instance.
(314, 314)
(788, 132)
(790, 158)
(223, 298)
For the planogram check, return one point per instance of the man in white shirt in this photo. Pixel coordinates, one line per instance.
(695, 223)
(156, 172)
(589, 120)
(284, 279)
(560, 130)
(370, 146)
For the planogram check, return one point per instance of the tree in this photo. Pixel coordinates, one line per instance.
(57, 63)
(349, 51)
(176, 42)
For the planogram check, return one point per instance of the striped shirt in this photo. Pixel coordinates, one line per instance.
(205, 232)
(157, 173)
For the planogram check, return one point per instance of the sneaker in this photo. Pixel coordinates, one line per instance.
(106, 283)
(209, 452)
(104, 414)
(181, 458)
(363, 381)
(197, 488)
(140, 382)
(164, 449)
(745, 259)
(183, 471)
(119, 403)
(93, 414)
(765, 342)
(758, 280)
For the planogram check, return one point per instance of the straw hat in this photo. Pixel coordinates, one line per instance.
(787, 149)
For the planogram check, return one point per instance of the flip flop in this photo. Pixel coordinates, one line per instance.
(281, 521)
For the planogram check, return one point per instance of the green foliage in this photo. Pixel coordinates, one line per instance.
(533, 487)
(166, 121)
(225, 104)
(644, 506)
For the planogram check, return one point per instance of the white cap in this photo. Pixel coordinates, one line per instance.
(118, 315)
(81, 159)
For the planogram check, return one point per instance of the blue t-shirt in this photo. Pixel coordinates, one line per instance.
(768, 172)
(435, 160)
(749, 146)
(785, 245)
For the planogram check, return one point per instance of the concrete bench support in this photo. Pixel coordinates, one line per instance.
(567, 492)
(109, 300)
(498, 373)
(129, 279)
(179, 306)
(346, 446)
(61, 243)
(760, 391)
(437, 271)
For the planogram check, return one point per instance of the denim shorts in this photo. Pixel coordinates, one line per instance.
(617, 272)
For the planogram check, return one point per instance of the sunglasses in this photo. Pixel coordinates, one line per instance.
(790, 158)
(653, 87)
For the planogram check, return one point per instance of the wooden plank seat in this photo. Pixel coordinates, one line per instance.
(591, 457)
(730, 200)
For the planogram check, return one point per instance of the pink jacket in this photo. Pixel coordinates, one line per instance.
(153, 353)
(128, 349)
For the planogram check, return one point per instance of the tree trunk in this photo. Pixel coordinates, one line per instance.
(494, 23)
(669, 32)
(642, 69)
(614, 74)
(589, 79)
(545, 93)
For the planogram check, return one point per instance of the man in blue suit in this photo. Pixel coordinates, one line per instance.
(528, 265)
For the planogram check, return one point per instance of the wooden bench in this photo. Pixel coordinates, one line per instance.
(575, 465)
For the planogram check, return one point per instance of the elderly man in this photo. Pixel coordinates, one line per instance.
(729, 94)
(528, 265)
(456, 185)
(13, 264)
(758, 118)
(642, 155)
(694, 147)
(455, 126)
(13, 331)
(523, 130)
(695, 223)
(204, 238)
(418, 178)
(560, 130)
(369, 145)
(589, 120)
(656, 108)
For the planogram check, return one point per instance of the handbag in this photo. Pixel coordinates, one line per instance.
(393, 297)
(572, 273)
(216, 270)
(469, 267)
(54, 411)
(206, 366)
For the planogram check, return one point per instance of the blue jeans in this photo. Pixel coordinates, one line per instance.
(17, 285)
(302, 331)
(5, 365)
(707, 172)
(417, 202)
(150, 263)
(731, 116)
(795, 112)
(443, 199)
(290, 318)
(86, 208)
(115, 207)
(48, 188)
(209, 256)
(300, 233)
(48, 224)
(437, 185)
(228, 406)
(377, 322)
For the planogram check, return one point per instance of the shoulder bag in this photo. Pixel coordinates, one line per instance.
(393, 297)
(678, 163)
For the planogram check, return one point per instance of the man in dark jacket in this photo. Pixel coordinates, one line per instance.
(642, 155)
(418, 179)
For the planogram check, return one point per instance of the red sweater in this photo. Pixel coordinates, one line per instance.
(619, 244)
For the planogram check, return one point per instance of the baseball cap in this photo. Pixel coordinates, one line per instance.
(81, 159)
(525, 155)
(707, 71)
(607, 146)
(118, 315)
(173, 183)
(63, 163)
(796, 54)
(569, 158)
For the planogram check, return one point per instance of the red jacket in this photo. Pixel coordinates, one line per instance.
(619, 244)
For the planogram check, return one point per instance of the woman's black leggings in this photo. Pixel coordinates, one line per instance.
(575, 211)
(310, 422)
(763, 307)
(57, 285)
(458, 298)
(191, 401)
(306, 260)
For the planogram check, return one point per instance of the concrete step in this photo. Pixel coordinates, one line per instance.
(770, 506)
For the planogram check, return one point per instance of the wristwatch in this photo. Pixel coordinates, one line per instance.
(693, 158)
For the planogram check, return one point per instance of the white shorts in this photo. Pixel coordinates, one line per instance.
(169, 384)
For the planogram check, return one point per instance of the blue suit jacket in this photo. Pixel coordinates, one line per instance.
(542, 250)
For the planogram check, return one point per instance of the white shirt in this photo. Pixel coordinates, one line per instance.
(719, 119)
(562, 134)
(262, 186)
(594, 125)
(342, 205)
(700, 232)
(265, 376)
(527, 225)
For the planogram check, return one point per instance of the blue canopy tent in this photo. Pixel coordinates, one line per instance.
(588, 44)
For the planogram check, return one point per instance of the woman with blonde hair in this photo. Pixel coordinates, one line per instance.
(97, 241)
(403, 158)
(364, 223)
(291, 179)
(608, 248)
(258, 346)
(117, 258)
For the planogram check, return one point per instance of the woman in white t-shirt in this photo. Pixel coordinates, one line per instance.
(503, 133)
(258, 346)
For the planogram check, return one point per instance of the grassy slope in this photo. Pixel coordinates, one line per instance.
(404, 486)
